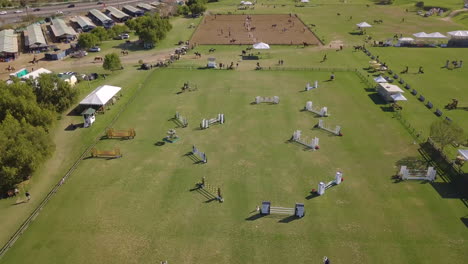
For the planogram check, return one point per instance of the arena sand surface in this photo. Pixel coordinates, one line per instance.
(249, 29)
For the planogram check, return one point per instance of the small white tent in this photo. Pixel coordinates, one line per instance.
(421, 35)
(304, 1)
(261, 45)
(398, 97)
(101, 95)
(363, 25)
(436, 35)
(380, 79)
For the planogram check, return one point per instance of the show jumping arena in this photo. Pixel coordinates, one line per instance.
(249, 29)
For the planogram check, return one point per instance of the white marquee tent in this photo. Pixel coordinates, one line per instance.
(398, 97)
(101, 95)
(380, 79)
(436, 35)
(464, 153)
(363, 25)
(462, 34)
(261, 45)
(421, 35)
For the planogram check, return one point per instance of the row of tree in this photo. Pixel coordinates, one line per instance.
(27, 111)
(150, 29)
(195, 7)
(99, 34)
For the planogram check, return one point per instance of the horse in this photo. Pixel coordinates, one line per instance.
(211, 50)
(197, 54)
(252, 28)
(274, 25)
(98, 59)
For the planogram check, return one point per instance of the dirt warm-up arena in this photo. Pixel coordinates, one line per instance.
(250, 29)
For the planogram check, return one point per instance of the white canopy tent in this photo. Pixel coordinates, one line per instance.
(464, 153)
(261, 45)
(380, 79)
(462, 34)
(246, 3)
(101, 95)
(421, 35)
(436, 35)
(406, 39)
(398, 97)
(304, 1)
(363, 25)
(34, 74)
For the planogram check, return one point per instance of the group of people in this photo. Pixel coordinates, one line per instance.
(455, 63)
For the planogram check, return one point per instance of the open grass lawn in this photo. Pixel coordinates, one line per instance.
(139, 209)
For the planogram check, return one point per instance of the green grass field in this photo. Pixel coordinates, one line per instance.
(139, 209)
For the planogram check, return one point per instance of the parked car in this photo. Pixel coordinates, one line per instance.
(71, 6)
(100, 3)
(18, 11)
(125, 36)
(94, 49)
(36, 9)
(3, 12)
(59, 12)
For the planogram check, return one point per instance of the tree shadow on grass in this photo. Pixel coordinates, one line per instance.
(464, 221)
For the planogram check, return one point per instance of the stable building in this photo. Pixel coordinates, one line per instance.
(146, 7)
(133, 11)
(34, 38)
(84, 23)
(116, 14)
(8, 45)
(61, 31)
(101, 19)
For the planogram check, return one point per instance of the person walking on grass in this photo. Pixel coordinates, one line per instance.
(28, 196)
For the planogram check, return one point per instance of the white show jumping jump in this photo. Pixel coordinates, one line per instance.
(297, 211)
(310, 87)
(181, 120)
(207, 122)
(426, 175)
(336, 131)
(314, 143)
(273, 100)
(322, 186)
(319, 111)
(201, 155)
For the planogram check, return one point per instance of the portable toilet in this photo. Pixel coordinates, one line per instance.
(89, 117)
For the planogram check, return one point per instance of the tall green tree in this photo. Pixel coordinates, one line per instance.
(112, 62)
(150, 28)
(24, 147)
(445, 132)
(101, 33)
(88, 40)
(18, 100)
(117, 30)
(54, 93)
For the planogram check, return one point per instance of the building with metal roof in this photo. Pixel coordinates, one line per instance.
(133, 11)
(145, 7)
(8, 44)
(116, 14)
(61, 30)
(84, 23)
(34, 38)
(101, 19)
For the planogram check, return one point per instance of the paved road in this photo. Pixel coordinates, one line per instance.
(45, 11)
